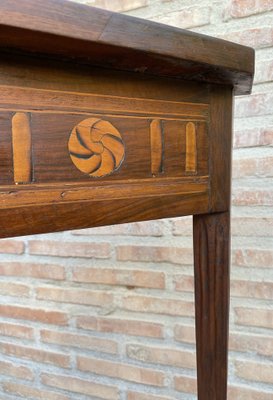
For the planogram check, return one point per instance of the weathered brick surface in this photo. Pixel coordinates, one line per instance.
(254, 317)
(38, 355)
(74, 296)
(34, 314)
(81, 386)
(12, 246)
(261, 372)
(39, 271)
(122, 326)
(155, 254)
(16, 330)
(120, 277)
(126, 372)
(28, 392)
(243, 8)
(76, 340)
(108, 313)
(162, 356)
(157, 305)
(16, 370)
(64, 249)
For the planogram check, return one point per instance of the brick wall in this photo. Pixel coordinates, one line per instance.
(108, 313)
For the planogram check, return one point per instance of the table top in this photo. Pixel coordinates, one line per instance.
(111, 40)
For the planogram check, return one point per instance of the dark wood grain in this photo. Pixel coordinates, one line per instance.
(220, 147)
(211, 265)
(56, 217)
(98, 37)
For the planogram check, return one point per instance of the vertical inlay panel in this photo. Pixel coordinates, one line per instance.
(21, 144)
(156, 134)
(191, 152)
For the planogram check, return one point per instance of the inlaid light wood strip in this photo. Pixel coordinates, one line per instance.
(21, 144)
(191, 150)
(156, 135)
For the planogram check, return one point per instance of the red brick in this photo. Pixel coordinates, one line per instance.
(14, 330)
(125, 372)
(254, 371)
(120, 277)
(162, 356)
(119, 5)
(252, 197)
(185, 384)
(157, 305)
(40, 271)
(249, 289)
(186, 18)
(252, 226)
(150, 228)
(15, 370)
(38, 355)
(185, 333)
(253, 37)
(77, 340)
(188, 384)
(122, 326)
(144, 396)
(182, 226)
(34, 314)
(260, 344)
(29, 392)
(74, 296)
(14, 289)
(155, 254)
(247, 393)
(253, 137)
(254, 317)
(184, 283)
(239, 288)
(12, 246)
(250, 167)
(69, 249)
(244, 8)
(81, 386)
(253, 258)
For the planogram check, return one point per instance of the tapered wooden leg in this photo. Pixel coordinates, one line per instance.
(211, 233)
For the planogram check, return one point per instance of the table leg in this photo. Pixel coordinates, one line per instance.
(211, 233)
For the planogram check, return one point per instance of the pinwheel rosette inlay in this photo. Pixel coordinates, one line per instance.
(96, 147)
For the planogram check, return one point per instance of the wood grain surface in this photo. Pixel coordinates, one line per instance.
(211, 265)
(98, 37)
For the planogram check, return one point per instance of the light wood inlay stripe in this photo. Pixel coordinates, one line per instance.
(156, 134)
(191, 150)
(21, 144)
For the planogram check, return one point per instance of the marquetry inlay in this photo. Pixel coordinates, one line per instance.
(96, 147)
(21, 146)
(156, 137)
(191, 150)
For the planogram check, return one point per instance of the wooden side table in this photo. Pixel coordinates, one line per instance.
(108, 119)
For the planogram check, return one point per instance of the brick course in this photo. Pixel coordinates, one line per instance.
(108, 313)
